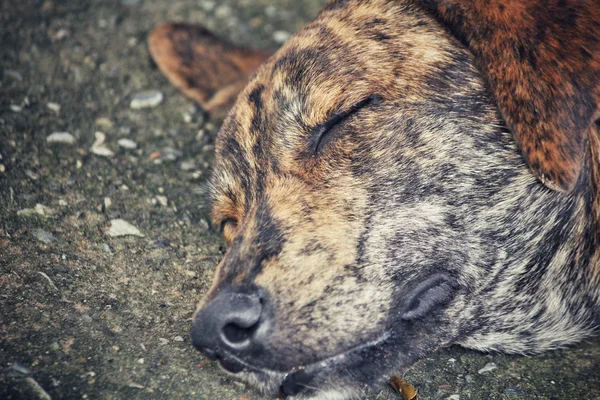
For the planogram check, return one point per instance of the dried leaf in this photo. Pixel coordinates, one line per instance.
(407, 391)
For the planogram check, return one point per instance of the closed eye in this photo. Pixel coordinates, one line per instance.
(322, 134)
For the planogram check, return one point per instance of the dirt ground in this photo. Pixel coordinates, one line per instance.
(84, 314)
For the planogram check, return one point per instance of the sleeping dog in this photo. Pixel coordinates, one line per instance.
(400, 176)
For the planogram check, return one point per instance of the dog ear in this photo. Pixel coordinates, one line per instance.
(207, 69)
(541, 59)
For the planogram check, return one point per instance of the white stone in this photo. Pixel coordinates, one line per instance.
(43, 210)
(146, 99)
(162, 200)
(120, 227)
(189, 165)
(281, 36)
(127, 144)
(487, 368)
(54, 107)
(61, 34)
(61, 137)
(43, 236)
(39, 209)
(98, 147)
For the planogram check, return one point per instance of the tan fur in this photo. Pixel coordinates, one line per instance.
(341, 226)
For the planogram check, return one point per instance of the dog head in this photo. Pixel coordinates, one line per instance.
(365, 181)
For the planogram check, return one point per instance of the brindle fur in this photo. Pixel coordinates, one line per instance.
(423, 180)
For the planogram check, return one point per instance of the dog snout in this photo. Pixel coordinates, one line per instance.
(230, 324)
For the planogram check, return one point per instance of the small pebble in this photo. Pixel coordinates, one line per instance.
(61, 34)
(454, 397)
(140, 360)
(98, 147)
(54, 107)
(62, 203)
(120, 227)
(223, 12)
(170, 154)
(32, 175)
(107, 203)
(2, 169)
(189, 165)
(16, 75)
(20, 368)
(104, 123)
(513, 392)
(487, 368)
(178, 339)
(127, 144)
(37, 389)
(146, 99)
(281, 36)
(203, 224)
(163, 341)
(103, 247)
(39, 209)
(55, 346)
(162, 200)
(16, 108)
(43, 236)
(208, 5)
(61, 137)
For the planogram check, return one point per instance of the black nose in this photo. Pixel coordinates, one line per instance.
(232, 323)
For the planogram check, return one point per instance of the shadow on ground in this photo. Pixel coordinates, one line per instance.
(84, 314)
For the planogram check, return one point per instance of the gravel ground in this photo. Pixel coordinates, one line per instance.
(87, 313)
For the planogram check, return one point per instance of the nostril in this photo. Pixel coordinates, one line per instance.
(242, 321)
(238, 335)
(233, 322)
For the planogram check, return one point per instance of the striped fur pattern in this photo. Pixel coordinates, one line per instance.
(367, 156)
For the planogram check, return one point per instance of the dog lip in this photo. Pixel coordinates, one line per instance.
(309, 370)
(231, 365)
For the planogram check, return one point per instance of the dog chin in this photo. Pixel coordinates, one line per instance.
(270, 384)
(319, 380)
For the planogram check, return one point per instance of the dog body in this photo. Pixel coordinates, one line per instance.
(374, 180)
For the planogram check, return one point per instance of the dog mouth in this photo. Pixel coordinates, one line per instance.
(299, 378)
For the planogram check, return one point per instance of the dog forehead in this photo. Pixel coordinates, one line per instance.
(348, 53)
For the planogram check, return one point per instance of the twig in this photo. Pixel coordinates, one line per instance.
(49, 280)
(37, 389)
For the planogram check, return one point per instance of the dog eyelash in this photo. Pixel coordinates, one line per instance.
(321, 133)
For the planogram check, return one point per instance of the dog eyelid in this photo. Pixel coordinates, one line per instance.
(226, 221)
(320, 132)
